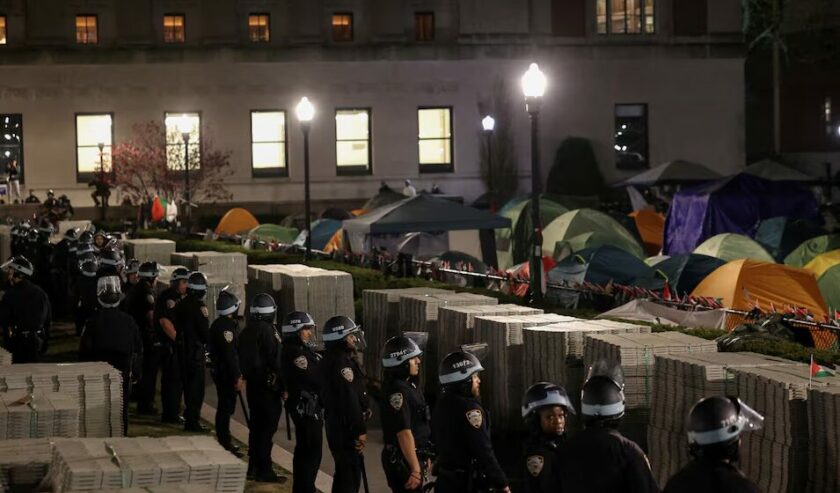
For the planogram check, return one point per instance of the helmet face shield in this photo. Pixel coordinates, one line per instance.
(751, 419)
(359, 335)
(419, 338)
(108, 284)
(721, 420)
(480, 350)
(606, 369)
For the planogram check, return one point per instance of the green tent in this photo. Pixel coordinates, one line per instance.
(273, 232)
(812, 248)
(581, 225)
(512, 243)
(829, 283)
(592, 239)
(731, 246)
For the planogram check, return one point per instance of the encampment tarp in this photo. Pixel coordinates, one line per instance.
(781, 235)
(685, 272)
(236, 221)
(811, 249)
(583, 221)
(732, 205)
(731, 246)
(648, 311)
(672, 172)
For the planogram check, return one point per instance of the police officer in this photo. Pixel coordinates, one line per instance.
(193, 334)
(130, 274)
(43, 253)
(259, 357)
(715, 425)
(86, 300)
(113, 336)
(346, 403)
(300, 372)
(405, 416)
(25, 313)
(545, 409)
(599, 458)
(111, 262)
(466, 461)
(224, 335)
(139, 303)
(171, 386)
(58, 270)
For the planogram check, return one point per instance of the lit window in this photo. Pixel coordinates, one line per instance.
(352, 141)
(92, 130)
(631, 136)
(174, 28)
(424, 26)
(86, 32)
(175, 139)
(11, 141)
(625, 16)
(2, 29)
(435, 139)
(342, 27)
(258, 28)
(268, 143)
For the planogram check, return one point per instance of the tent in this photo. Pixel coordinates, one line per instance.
(827, 269)
(812, 248)
(731, 246)
(732, 205)
(564, 248)
(651, 228)
(771, 170)
(236, 221)
(583, 221)
(656, 259)
(336, 243)
(522, 229)
(685, 272)
(672, 172)
(273, 232)
(781, 235)
(423, 245)
(322, 232)
(386, 196)
(335, 213)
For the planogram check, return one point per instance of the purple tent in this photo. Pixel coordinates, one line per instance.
(732, 205)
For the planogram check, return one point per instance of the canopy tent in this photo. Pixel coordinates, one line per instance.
(423, 245)
(273, 232)
(386, 196)
(811, 249)
(781, 235)
(671, 173)
(685, 272)
(827, 269)
(774, 171)
(236, 221)
(322, 232)
(651, 228)
(584, 221)
(731, 246)
(732, 205)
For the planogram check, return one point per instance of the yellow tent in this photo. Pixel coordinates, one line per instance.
(822, 263)
(236, 221)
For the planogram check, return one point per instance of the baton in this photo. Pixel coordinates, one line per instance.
(364, 471)
(288, 424)
(244, 409)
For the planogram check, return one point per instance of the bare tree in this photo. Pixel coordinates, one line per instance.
(499, 168)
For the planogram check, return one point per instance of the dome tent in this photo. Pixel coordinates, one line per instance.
(781, 235)
(584, 221)
(236, 221)
(811, 249)
(685, 272)
(731, 246)
(827, 269)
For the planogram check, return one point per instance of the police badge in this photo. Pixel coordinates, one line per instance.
(228, 336)
(396, 401)
(535, 464)
(205, 312)
(347, 373)
(301, 362)
(475, 418)
(170, 303)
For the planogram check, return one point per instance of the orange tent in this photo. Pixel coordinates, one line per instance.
(336, 243)
(236, 221)
(651, 227)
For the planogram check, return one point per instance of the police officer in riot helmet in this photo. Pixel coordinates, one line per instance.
(130, 274)
(58, 269)
(346, 402)
(192, 320)
(112, 335)
(715, 425)
(171, 385)
(406, 425)
(300, 372)
(545, 409)
(111, 262)
(259, 357)
(43, 250)
(25, 312)
(466, 460)
(599, 458)
(224, 355)
(86, 301)
(139, 303)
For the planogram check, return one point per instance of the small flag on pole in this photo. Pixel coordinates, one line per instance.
(818, 370)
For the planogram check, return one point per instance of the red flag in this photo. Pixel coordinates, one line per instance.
(666, 292)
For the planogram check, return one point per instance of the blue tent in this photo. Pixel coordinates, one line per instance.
(684, 272)
(322, 231)
(736, 204)
(781, 235)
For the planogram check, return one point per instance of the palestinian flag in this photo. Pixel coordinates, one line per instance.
(819, 370)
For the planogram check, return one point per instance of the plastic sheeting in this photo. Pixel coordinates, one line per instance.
(648, 311)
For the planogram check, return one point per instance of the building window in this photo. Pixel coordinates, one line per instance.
(342, 27)
(625, 16)
(92, 130)
(175, 139)
(631, 136)
(2, 29)
(174, 28)
(829, 127)
(435, 139)
(352, 141)
(424, 26)
(11, 142)
(268, 143)
(258, 28)
(86, 32)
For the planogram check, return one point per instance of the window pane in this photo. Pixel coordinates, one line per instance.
(342, 26)
(601, 16)
(86, 29)
(618, 16)
(434, 123)
(88, 159)
(352, 153)
(631, 136)
(173, 132)
(634, 16)
(93, 129)
(351, 125)
(268, 126)
(268, 155)
(2, 29)
(650, 17)
(174, 28)
(424, 26)
(258, 28)
(436, 151)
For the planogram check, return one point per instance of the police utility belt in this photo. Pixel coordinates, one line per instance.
(475, 479)
(396, 461)
(309, 405)
(27, 333)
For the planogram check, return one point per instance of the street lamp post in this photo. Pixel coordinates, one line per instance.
(489, 124)
(305, 112)
(185, 127)
(103, 205)
(533, 87)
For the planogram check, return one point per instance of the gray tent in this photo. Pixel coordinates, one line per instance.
(672, 172)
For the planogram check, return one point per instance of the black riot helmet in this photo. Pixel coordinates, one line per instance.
(715, 424)
(602, 397)
(398, 351)
(338, 328)
(109, 291)
(111, 257)
(545, 394)
(86, 237)
(89, 266)
(33, 236)
(227, 303)
(294, 322)
(72, 233)
(179, 274)
(197, 285)
(20, 266)
(132, 266)
(45, 227)
(458, 368)
(263, 307)
(148, 271)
